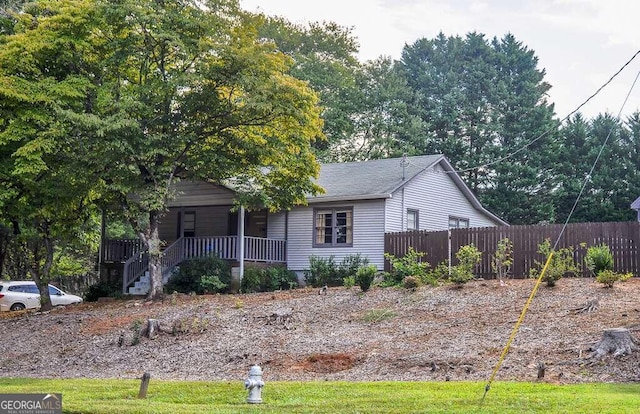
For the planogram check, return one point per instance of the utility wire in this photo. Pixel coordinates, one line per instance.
(505, 351)
(558, 123)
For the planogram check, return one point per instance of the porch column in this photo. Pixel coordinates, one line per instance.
(241, 240)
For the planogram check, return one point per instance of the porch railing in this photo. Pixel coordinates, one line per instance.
(256, 249)
(134, 268)
(120, 250)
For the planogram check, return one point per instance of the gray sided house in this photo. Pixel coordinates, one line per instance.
(362, 201)
(636, 206)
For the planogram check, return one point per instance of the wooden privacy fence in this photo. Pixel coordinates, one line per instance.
(623, 240)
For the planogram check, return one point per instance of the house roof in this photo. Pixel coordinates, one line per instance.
(369, 179)
(375, 179)
(636, 204)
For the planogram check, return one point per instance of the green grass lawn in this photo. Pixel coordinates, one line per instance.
(119, 396)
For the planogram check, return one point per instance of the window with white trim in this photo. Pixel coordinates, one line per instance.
(413, 219)
(333, 227)
(458, 222)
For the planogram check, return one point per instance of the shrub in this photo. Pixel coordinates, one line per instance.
(609, 277)
(411, 282)
(365, 276)
(251, 280)
(350, 265)
(468, 258)
(256, 279)
(502, 260)
(410, 264)
(561, 264)
(598, 259)
(349, 282)
(324, 270)
(103, 290)
(281, 278)
(200, 275)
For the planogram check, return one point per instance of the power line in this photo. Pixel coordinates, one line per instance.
(505, 351)
(560, 122)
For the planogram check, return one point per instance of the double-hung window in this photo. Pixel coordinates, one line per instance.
(333, 227)
(412, 219)
(458, 222)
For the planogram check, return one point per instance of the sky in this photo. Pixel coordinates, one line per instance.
(579, 43)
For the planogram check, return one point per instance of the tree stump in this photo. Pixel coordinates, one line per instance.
(615, 340)
(151, 329)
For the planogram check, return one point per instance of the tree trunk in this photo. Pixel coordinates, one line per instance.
(155, 258)
(40, 272)
(617, 341)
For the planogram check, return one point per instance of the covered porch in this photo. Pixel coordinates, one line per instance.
(196, 232)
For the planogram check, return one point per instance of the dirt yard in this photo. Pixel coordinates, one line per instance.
(440, 333)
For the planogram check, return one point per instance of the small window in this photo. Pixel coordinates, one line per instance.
(333, 227)
(54, 291)
(412, 219)
(458, 223)
(189, 224)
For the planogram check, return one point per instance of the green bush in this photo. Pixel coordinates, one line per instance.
(256, 279)
(561, 264)
(609, 277)
(200, 275)
(350, 265)
(468, 258)
(598, 259)
(281, 278)
(502, 260)
(349, 282)
(365, 276)
(325, 271)
(322, 271)
(410, 264)
(411, 282)
(103, 290)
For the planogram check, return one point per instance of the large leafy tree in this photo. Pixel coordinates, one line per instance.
(479, 101)
(188, 91)
(45, 199)
(324, 55)
(156, 91)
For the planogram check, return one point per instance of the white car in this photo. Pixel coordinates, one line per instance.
(19, 295)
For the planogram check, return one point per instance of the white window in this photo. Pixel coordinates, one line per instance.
(189, 224)
(458, 222)
(413, 219)
(333, 227)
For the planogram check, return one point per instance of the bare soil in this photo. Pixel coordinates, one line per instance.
(433, 333)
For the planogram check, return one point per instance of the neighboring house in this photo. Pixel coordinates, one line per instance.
(636, 206)
(362, 201)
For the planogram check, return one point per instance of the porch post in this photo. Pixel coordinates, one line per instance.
(241, 240)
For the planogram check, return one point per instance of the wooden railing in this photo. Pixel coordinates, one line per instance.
(256, 249)
(133, 269)
(120, 250)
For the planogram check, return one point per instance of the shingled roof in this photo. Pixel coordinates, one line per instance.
(369, 179)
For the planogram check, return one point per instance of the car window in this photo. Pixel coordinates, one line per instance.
(32, 289)
(54, 290)
(19, 288)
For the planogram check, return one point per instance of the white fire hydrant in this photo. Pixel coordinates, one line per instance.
(254, 384)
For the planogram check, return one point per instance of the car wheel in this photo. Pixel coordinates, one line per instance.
(17, 307)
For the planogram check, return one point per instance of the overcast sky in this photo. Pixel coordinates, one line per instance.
(580, 43)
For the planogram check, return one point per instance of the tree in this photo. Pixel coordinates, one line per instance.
(478, 102)
(44, 200)
(613, 184)
(187, 90)
(324, 54)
